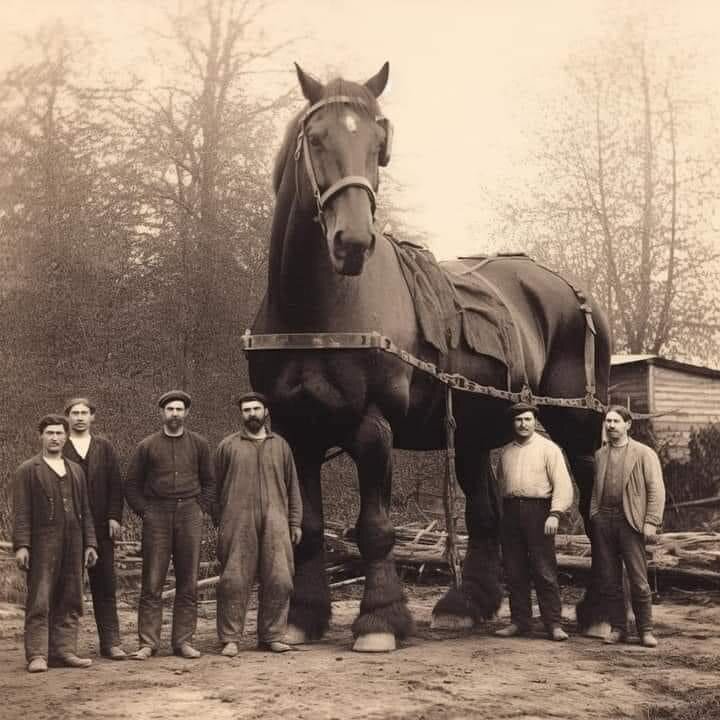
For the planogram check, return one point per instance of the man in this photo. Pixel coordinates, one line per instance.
(627, 505)
(53, 539)
(97, 458)
(260, 513)
(170, 485)
(537, 489)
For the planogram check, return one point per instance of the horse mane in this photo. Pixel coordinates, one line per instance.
(361, 100)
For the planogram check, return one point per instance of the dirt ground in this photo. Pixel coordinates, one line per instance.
(434, 675)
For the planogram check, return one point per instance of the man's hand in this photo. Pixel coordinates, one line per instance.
(91, 557)
(295, 535)
(22, 558)
(551, 525)
(115, 529)
(649, 532)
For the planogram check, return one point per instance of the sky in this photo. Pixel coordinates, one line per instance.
(468, 78)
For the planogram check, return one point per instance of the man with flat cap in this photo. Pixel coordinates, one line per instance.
(170, 485)
(536, 489)
(259, 511)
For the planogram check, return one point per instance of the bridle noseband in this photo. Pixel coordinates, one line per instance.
(302, 147)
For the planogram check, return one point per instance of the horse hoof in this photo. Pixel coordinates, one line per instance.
(375, 642)
(451, 622)
(598, 630)
(295, 635)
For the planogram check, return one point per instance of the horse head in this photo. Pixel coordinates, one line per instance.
(342, 141)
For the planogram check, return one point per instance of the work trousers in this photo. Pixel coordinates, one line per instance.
(55, 597)
(529, 555)
(614, 542)
(103, 586)
(258, 547)
(171, 529)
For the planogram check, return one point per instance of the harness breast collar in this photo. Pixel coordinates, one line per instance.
(302, 147)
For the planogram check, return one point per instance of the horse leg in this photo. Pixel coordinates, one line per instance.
(384, 615)
(479, 596)
(591, 617)
(309, 615)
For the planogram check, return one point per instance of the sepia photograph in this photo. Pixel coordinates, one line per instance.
(359, 360)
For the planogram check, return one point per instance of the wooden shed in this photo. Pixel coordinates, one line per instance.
(681, 396)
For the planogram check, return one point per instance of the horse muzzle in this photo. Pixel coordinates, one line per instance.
(348, 254)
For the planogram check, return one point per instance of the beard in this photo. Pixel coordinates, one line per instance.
(254, 424)
(174, 424)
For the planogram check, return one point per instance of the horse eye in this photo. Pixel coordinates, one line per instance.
(315, 140)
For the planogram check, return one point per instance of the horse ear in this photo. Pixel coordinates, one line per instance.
(312, 89)
(376, 84)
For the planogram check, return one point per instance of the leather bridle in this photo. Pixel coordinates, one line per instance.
(302, 147)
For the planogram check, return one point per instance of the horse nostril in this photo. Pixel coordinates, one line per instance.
(338, 248)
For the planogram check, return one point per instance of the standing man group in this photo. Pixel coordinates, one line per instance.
(68, 504)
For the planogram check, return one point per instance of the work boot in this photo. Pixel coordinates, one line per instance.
(648, 640)
(73, 661)
(115, 653)
(276, 646)
(230, 649)
(37, 665)
(187, 651)
(614, 637)
(512, 630)
(142, 653)
(557, 634)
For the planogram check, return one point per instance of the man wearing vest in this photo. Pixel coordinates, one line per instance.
(53, 539)
(627, 506)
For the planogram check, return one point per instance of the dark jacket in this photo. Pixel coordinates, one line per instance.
(167, 467)
(104, 484)
(34, 510)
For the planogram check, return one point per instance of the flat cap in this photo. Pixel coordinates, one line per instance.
(181, 395)
(248, 396)
(520, 408)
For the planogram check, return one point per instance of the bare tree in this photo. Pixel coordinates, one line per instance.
(622, 195)
(205, 139)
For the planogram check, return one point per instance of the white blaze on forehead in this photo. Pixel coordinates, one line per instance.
(351, 123)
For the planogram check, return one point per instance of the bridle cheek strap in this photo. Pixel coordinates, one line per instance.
(322, 199)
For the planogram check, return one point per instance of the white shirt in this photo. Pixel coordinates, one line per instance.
(536, 469)
(57, 465)
(82, 445)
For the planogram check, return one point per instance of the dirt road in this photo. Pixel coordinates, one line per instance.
(435, 675)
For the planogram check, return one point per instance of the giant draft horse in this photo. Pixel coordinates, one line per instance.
(331, 271)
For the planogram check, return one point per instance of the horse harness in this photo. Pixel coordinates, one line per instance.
(302, 148)
(453, 381)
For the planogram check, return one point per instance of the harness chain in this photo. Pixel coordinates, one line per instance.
(376, 341)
